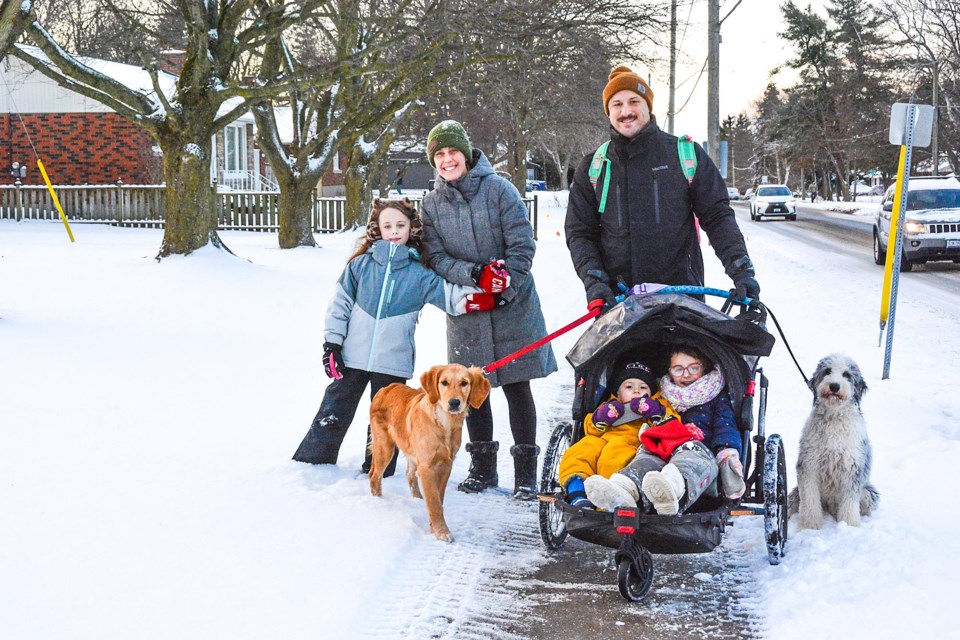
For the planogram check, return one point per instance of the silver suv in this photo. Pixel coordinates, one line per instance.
(931, 228)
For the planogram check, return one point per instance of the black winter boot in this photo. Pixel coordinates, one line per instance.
(525, 471)
(483, 467)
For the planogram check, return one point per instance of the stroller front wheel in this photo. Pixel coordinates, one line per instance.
(634, 572)
(553, 529)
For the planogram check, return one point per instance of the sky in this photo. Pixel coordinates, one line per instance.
(148, 412)
(749, 49)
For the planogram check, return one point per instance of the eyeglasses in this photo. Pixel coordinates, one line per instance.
(693, 370)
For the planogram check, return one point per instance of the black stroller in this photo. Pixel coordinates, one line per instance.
(652, 323)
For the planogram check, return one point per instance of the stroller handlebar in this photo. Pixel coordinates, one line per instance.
(651, 288)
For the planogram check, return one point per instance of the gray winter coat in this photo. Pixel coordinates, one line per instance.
(374, 311)
(474, 220)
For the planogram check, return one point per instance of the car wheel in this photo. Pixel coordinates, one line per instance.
(905, 265)
(879, 253)
(792, 217)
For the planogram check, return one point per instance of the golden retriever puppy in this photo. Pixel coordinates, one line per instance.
(426, 424)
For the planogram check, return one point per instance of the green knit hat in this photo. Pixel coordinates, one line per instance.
(449, 133)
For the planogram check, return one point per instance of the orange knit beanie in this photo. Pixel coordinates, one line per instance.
(624, 78)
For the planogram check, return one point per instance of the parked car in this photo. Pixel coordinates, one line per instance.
(536, 185)
(773, 200)
(931, 226)
(732, 193)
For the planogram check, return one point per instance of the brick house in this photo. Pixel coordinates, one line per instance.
(82, 141)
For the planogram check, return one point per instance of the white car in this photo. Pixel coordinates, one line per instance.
(732, 193)
(773, 200)
(931, 228)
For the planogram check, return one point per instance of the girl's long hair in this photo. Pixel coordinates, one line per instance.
(373, 234)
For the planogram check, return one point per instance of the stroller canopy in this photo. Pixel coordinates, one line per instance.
(654, 323)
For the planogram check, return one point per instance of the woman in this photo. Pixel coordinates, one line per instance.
(471, 220)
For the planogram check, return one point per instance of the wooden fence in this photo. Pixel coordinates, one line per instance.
(142, 206)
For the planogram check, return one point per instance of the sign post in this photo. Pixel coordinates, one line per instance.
(910, 126)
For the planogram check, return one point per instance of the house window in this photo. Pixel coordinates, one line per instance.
(235, 148)
(336, 163)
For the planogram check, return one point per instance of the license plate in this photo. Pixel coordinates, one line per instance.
(951, 244)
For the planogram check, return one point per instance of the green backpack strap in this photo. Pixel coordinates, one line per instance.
(688, 157)
(596, 168)
(685, 151)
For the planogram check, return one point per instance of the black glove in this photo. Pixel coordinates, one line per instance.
(600, 291)
(744, 279)
(747, 287)
(333, 360)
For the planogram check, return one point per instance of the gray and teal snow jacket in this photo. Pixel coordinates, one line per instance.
(377, 303)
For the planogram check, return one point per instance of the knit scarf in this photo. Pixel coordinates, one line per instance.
(699, 392)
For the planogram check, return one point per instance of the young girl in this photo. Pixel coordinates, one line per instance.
(612, 432)
(669, 479)
(370, 323)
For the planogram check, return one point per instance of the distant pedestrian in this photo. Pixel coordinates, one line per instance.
(813, 195)
(399, 181)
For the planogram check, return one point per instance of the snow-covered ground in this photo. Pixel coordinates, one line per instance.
(148, 412)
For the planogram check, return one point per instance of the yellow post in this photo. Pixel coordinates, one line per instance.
(56, 200)
(891, 244)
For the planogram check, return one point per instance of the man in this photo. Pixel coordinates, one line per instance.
(647, 231)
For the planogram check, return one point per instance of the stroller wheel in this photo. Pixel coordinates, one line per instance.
(634, 573)
(553, 530)
(775, 498)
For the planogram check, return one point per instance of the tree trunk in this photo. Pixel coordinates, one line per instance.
(295, 208)
(561, 169)
(357, 187)
(190, 200)
(518, 164)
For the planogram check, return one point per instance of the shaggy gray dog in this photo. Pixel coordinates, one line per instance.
(833, 464)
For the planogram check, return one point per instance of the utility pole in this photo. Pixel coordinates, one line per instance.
(713, 80)
(673, 66)
(933, 139)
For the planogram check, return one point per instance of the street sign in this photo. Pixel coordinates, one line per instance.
(922, 127)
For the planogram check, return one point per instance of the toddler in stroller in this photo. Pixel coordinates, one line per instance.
(611, 433)
(675, 464)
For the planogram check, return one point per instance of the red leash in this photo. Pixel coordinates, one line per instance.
(490, 368)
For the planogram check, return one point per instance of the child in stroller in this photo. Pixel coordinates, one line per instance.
(611, 433)
(675, 464)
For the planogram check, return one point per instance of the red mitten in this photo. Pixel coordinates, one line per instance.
(484, 302)
(492, 278)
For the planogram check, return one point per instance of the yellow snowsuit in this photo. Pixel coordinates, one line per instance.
(607, 450)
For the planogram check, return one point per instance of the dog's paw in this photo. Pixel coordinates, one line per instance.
(444, 536)
(808, 521)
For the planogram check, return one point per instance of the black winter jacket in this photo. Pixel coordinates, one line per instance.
(647, 232)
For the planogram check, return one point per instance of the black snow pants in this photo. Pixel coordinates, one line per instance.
(322, 442)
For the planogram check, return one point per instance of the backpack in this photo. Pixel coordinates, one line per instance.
(686, 152)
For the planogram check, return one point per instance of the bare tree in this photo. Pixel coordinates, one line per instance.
(14, 16)
(397, 46)
(522, 88)
(930, 31)
(95, 28)
(206, 96)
